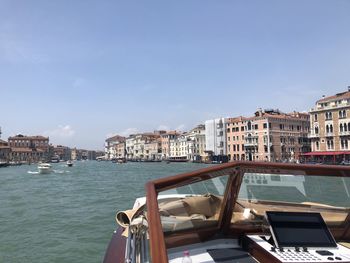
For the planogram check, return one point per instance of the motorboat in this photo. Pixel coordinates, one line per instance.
(239, 212)
(4, 164)
(44, 168)
(55, 159)
(69, 163)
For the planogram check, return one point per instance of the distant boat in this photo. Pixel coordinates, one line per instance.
(69, 163)
(44, 168)
(55, 159)
(4, 164)
(121, 160)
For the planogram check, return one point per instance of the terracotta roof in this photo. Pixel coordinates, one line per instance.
(290, 116)
(342, 95)
(171, 133)
(23, 137)
(115, 138)
(236, 119)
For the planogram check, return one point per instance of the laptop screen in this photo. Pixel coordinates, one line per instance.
(299, 229)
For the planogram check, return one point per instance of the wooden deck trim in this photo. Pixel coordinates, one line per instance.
(156, 235)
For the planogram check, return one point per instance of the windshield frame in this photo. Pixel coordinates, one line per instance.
(236, 171)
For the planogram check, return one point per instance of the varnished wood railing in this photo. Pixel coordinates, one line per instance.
(236, 171)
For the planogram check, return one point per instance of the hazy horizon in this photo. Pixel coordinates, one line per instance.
(80, 71)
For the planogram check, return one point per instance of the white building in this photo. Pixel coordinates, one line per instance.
(153, 150)
(129, 147)
(215, 136)
(179, 147)
(196, 144)
(110, 146)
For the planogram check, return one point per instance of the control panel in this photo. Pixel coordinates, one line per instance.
(302, 254)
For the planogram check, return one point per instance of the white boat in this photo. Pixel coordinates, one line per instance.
(44, 168)
(69, 163)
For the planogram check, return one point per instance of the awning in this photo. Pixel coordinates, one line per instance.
(325, 153)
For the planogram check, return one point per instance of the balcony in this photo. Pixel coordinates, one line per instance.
(313, 135)
(344, 133)
(329, 134)
(250, 143)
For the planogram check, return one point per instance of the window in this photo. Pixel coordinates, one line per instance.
(342, 114)
(315, 117)
(341, 127)
(256, 126)
(242, 128)
(328, 115)
(265, 125)
(330, 144)
(316, 130)
(317, 145)
(249, 126)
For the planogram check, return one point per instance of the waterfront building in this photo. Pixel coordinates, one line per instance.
(140, 142)
(153, 149)
(196, 144)
(129, 145)
(91, 155)
(165, 141)
(5, 151)
(29, 148)
(236, 141)
(76, 154)
(110, 149)
(64, 153)
(269, 135)
(330, 128)
(278, 136)
(179, 147)
(215, 139)
(120, 150)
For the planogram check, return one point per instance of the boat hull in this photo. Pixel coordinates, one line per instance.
(116, 248)
(44, 170)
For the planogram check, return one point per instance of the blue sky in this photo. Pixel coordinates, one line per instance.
(78, 71)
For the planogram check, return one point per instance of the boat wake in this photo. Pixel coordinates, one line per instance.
(60, 171)
(54, 171)
(31, 172)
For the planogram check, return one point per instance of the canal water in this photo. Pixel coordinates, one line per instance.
(68, 215)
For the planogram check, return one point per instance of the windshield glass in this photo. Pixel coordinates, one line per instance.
(195, 205)
(261, 192)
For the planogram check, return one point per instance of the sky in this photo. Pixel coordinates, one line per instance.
(80, 71)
